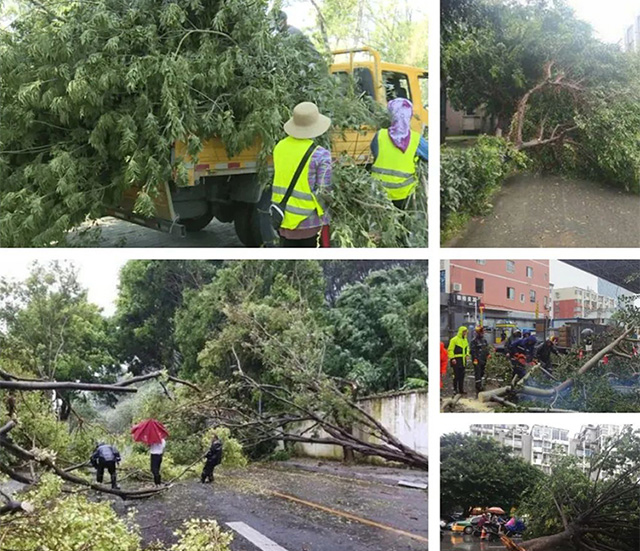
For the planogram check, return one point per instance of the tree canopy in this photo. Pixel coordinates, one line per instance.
(547, 83)
(94, 94)
(479, 472)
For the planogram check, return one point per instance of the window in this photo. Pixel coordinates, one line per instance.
(546, 301)
(481, 262)
(511, 293)
(532, 296)
(511, 266)
(557, 295)
(479, 285)
(529, 272)
(522, 297)
(396, 85)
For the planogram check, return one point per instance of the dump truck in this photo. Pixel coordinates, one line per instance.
(228, 188)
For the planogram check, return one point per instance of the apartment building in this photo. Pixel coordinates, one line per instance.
(576, 302)
(631, 40)
(489, 291)
(541, 444)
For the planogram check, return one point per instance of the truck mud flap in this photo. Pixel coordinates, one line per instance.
(161, 224)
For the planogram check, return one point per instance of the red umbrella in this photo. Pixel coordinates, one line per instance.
(149, 432)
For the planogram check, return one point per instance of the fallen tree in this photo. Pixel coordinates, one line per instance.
(81, 124)
(596, 508)
(521, 388)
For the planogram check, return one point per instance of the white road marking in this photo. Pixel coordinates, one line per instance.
(255, 537)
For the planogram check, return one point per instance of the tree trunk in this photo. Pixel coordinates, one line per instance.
(556, 542)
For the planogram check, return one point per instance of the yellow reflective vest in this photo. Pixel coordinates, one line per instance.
(287, 155)
(395, 169)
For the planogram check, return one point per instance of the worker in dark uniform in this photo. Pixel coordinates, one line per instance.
(106, 457)
(213, 458)
(543, 353)
(480, 353)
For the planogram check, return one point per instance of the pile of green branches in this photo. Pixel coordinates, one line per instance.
(94, 94)
(363, 216)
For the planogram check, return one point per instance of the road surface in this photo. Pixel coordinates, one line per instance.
(550, 211)
(294, 509)
(461, 542)
(113, 232)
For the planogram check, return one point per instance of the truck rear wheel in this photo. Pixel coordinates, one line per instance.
(247, 225)
(199, 222)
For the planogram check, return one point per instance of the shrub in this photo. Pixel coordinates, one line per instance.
(70, 522)
(138, 465)
(202, 535)
(469, 177)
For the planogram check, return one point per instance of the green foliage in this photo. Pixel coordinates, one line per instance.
(40, 427)
(137, 463)
(469, 177)
(150, 292)
(232, 454)
(363, 216)
(67, 522)
(50, 329)
(597, 496)
(380, 330)
(279, 455)
(82, 123)
(478, 472)
(495, 53)
(202, 535)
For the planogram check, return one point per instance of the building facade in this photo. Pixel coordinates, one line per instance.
(631, 40)
(491, 292)
(576, 302)
(541, 444)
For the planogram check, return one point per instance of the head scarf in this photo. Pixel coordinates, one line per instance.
(401, 111)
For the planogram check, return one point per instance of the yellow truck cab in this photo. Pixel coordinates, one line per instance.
(227, 188)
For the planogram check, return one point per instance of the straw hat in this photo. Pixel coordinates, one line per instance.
(307, 122)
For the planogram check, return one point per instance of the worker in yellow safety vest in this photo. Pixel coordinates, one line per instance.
(396, 151)
(302, 179)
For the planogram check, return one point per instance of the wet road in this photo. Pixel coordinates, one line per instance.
(298, 510)
(461, 542)
(113, 232)
(549, 211)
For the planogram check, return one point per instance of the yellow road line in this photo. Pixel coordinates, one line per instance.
(350, 516)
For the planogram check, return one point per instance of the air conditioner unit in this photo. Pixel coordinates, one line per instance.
(457, 287)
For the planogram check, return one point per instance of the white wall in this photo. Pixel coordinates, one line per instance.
(403, 414)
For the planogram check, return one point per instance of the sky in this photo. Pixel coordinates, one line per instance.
(100, 277)
(609, 18)
(563, 275)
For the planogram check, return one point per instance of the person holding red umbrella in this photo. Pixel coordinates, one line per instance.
(152, 433)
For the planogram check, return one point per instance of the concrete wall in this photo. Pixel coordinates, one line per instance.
(403, 414)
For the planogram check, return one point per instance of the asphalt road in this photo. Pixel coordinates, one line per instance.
(461, 542)
(113, 232)
(295, 509)
(550, 211)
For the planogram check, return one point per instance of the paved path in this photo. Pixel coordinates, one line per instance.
(549, 211)
(298, 511)
(119, 233)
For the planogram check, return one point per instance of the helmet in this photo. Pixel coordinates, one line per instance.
(479, 329)
(517, 334)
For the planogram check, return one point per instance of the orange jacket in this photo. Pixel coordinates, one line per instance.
(444, 360)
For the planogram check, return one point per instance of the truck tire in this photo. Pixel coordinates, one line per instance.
(247, 225)
(198, 223)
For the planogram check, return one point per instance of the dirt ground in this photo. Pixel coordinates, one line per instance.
(381, 515)
(551, 211)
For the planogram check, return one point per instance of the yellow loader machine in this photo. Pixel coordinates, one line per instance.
(227, 188)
